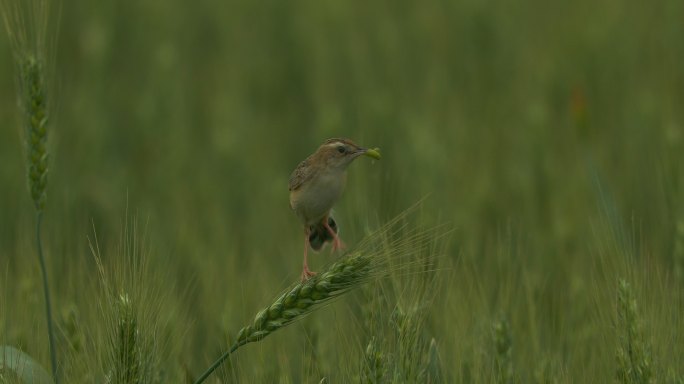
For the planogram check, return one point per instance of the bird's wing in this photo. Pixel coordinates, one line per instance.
(301, 174)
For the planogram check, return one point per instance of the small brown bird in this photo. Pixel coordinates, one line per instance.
(315, 186)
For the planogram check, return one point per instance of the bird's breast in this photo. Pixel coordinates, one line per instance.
(314, 199)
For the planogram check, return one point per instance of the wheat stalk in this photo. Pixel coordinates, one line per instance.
(26, 24)
(302, 299)
(503, 343)
(634, 361)
(373, 364)
(392, 248)
(125, 344)
(131, 306)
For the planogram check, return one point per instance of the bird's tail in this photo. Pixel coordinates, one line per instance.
(319, 235)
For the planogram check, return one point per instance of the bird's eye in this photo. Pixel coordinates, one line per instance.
(341, 149)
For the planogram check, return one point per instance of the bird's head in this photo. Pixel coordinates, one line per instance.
(339, 153)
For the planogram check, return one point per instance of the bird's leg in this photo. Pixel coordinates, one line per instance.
(337, 243)
(306, 273)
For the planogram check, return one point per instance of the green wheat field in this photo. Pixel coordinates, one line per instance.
(525, 223)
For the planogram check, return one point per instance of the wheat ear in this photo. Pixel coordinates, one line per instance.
(393, 247)
(302, 299)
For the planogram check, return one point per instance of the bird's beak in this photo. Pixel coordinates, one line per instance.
(371, 152)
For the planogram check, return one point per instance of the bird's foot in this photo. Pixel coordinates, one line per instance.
(307, 274)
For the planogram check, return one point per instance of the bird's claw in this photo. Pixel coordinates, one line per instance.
(307, 274)
(337, 245)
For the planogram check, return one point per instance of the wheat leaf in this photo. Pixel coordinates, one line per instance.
(23, 366)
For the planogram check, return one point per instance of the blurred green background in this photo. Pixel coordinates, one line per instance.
(548, 135)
